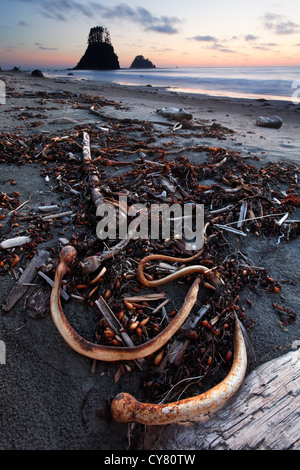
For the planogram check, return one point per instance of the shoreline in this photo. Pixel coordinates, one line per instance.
(244, 82)
(141, 102)
(193, 92)
(164, 89)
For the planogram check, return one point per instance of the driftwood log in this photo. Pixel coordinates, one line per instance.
(262, 415)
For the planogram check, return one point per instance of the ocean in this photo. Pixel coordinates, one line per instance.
(280, 83)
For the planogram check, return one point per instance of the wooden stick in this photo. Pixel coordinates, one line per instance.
(141, 298)
(58, 215)
(48, 208)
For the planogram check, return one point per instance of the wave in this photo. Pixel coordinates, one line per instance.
(242, 82)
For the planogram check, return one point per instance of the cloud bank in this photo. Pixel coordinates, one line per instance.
(43, 48)
(63, 10)
(280, 24)
(214, 44)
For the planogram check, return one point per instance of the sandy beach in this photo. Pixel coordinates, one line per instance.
(52, 397)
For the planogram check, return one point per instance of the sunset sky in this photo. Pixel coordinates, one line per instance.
(53, 33)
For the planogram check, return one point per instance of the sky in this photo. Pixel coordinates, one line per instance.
(184, 33)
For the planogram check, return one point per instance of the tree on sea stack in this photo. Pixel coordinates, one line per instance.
(100, 54)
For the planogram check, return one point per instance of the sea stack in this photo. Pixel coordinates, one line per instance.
(141, 63)
(100, 54)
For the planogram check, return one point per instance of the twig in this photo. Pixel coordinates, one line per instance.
(20, 206)
(255, 218)
(188, 379)
(57, 216)
(223, 209)
(255, 268)
(161, 306)
(141, 298)
(232, 230)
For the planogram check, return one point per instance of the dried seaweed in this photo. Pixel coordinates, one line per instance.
(243, 200)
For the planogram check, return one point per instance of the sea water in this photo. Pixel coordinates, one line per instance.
(279, 83)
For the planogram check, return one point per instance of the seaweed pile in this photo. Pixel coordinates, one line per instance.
(129, 159)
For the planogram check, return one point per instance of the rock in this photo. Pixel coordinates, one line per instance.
(99, 54)
(175, 114)
(187, 124)
(141, 63)
(274, 122)
(37, 73)
(295, 345)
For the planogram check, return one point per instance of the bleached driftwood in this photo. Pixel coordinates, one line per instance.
(91, 171)
(263, 415)
(48, 208)
(13, 242)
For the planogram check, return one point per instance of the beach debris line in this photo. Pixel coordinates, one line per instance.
(36, 114)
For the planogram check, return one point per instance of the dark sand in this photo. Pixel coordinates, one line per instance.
(49, 393)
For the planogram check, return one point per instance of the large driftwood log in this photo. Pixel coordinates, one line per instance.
(263, 415)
